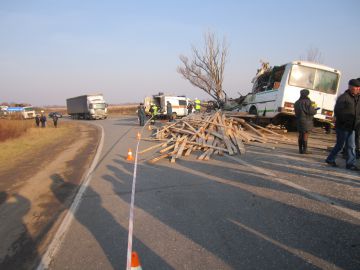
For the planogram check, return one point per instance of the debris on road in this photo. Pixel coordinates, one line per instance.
(216, 133)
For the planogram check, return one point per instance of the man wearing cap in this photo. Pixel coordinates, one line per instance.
(304, 113)
(347, 120)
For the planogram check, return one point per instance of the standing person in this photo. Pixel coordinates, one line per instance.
(347, 120)
(197, 105)
(43, 120)
(189, 108)
(55, 119)
(153, 110)
(37, 120)
(141, 114)
(304, 113)
(169, 111)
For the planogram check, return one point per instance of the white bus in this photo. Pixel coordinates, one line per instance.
(275, 90)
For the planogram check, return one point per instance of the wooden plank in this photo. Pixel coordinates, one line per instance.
(268, 130)
(182, 131)
(155, 146)
(167, 148)
(181, 149)
(210, 146)
(253, 129)
(188, 151)
(201, 157)
(175, 150)
(159, 157)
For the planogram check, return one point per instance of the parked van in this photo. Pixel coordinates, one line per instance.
(179, 104)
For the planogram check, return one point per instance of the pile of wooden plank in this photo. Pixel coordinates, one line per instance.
(211, 134)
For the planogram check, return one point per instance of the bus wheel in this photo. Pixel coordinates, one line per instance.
(253, 110)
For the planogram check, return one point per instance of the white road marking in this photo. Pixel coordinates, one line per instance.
(318, 197)
(65, 224)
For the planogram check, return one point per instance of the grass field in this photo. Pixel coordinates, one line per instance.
(27, 138)
(122, 109)
(11, 129)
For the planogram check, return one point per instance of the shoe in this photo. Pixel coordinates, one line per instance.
(352, 168)
(332, 163)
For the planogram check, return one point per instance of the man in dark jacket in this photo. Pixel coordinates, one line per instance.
(304, 112)
(347, 120)
(141, 114)
(169, 111)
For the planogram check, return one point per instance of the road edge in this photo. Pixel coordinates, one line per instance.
(64, 225)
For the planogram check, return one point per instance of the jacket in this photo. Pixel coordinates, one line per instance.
(347, 111)
(304, 113)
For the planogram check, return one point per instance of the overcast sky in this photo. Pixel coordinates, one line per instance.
(52, 50)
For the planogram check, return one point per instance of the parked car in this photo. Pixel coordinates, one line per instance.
(51, 114)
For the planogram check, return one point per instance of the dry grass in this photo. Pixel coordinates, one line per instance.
(32, 140)
(122, 109)
(11, 129)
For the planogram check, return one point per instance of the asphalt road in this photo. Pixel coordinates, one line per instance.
(268, 209)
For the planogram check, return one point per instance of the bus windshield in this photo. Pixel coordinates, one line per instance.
(314, 79)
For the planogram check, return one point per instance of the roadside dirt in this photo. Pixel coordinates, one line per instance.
(35, 195)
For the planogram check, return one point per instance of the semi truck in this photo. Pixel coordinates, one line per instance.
(88, 107)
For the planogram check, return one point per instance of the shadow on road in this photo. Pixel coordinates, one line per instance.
(16, 241)
(109, 234)
(253, 223)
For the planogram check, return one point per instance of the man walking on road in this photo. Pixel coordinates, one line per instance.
(304, 113)
(347, 120)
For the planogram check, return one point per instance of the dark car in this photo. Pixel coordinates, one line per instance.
(51, 114)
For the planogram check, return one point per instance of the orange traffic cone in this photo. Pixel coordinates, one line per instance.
(138, 136)
(135, 262)
(129, 155)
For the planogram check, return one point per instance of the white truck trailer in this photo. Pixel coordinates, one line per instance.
(87, 107)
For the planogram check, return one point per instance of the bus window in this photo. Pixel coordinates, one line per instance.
(275, 77)
(326, 81)
(302, 76)
(314, 79)
(182, 102)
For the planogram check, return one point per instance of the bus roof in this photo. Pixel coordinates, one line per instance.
(314, 65)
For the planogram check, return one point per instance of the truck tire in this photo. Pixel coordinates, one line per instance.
(253, 110)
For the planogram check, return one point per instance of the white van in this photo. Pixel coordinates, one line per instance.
(276, 89)
(179, 104)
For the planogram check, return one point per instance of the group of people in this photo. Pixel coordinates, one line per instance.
(42, 119)
(347, 124)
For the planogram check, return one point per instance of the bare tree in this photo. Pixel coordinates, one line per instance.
(206, 68)
(313, 55)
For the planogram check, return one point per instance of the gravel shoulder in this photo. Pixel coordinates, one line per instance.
(35, 194)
